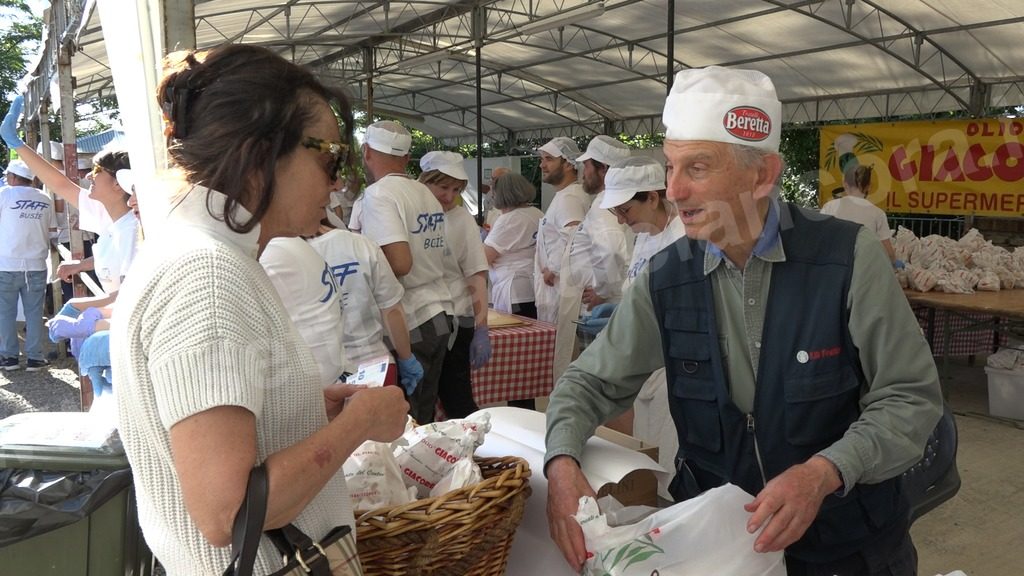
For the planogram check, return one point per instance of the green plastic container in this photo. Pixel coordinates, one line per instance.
(108, 541)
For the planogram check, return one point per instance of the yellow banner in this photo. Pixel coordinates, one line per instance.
(940, 167)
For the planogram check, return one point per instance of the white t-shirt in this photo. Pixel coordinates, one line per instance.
(464, 256)
(92, 215)
(366, 286)
(355, 217)
(861, 211)
(397, 208)
(598, 253)
(114, 251)
(199, 325)
(514, 238)
(648, 245)
(570, 204)
(310, 295)
(26, 217)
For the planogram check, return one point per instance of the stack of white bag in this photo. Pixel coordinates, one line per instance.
(956, 266)
(703, 535)
(426, 461)
(1007, 359)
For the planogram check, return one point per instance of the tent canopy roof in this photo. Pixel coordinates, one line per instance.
(607, 70)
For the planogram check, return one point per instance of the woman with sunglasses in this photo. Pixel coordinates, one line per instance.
(103, 209)
(212, 376)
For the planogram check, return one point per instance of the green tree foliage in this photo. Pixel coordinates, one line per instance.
(799, 150)
(18, 39)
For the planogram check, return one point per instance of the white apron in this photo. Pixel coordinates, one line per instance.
(545, 297)
(501, 289)
(570, 300)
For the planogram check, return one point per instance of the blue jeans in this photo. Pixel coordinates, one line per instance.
(31, 287)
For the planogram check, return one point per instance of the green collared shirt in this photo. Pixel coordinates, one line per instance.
(900, 405)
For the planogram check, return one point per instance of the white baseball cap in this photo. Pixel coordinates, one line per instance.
(606, 150)
(126, 180)
(561, 147)
(449, 163)
(388, 137)
(728, 105)
(19, 168)
(56, 150)
(84, 163)
(632, 175)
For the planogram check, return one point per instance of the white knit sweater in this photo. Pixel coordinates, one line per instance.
(199, 325)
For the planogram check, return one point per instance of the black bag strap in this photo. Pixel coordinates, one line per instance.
(248, 526)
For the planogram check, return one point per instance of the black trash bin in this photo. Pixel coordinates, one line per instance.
(66, 505)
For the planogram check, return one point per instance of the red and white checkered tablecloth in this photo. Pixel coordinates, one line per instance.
(520, 364)
(979, 341)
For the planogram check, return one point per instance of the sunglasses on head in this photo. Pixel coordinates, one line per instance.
(337, 150)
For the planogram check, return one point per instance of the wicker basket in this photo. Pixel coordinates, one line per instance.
(467, 531)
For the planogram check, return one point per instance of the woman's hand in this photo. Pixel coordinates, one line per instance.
(384, 409)
(68, 270)
(9, 128)
(335, 396)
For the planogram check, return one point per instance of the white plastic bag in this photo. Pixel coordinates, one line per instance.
(431, 450)
(373, 477)
(704, 535)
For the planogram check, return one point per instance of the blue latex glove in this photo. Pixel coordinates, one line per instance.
(410, 372)
(598, 318)
(9, 128)
(898, 264)
(479, 348)
(69, 311)
(81, 327)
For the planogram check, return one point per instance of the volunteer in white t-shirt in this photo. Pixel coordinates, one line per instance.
(634, 190)
(115, 223)
(855, 207)
(26, 222)
(402, 217)
(598, 252)
(371, 302)
(310, 295)
(564, 214)
(465, 272)
(594, 264)
(511, 245)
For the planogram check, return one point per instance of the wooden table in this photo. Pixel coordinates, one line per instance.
(1002, 313)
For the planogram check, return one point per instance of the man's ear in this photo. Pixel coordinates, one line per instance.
(768, 172)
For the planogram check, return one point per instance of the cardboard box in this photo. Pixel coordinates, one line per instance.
(639, 487)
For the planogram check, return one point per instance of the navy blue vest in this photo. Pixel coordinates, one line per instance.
(809, 380)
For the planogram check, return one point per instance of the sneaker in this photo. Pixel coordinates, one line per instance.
(8, 363)
(36, 365)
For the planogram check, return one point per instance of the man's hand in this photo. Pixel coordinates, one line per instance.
(68, 270)
(790, 502)
(566, 484)
(549, 277)
(591, 298)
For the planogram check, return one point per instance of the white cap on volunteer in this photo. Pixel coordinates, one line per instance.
(126, 180)
(388, 137)
(606, 150)
(625, 179)
(561, 147)
(449, 163)
(56, 150)
(19, 168)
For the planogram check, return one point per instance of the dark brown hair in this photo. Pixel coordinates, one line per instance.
(233, 112)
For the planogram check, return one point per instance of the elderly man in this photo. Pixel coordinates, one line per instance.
(797, 369)
(402, 217)
(26, 221)
(566, 210)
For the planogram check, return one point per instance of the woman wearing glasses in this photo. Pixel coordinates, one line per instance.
(634, 190)
(103, 209)
(213, 377)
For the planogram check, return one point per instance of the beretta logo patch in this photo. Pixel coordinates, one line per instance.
(748, 123)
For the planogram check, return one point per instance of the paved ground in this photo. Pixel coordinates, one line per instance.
(980, 529)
